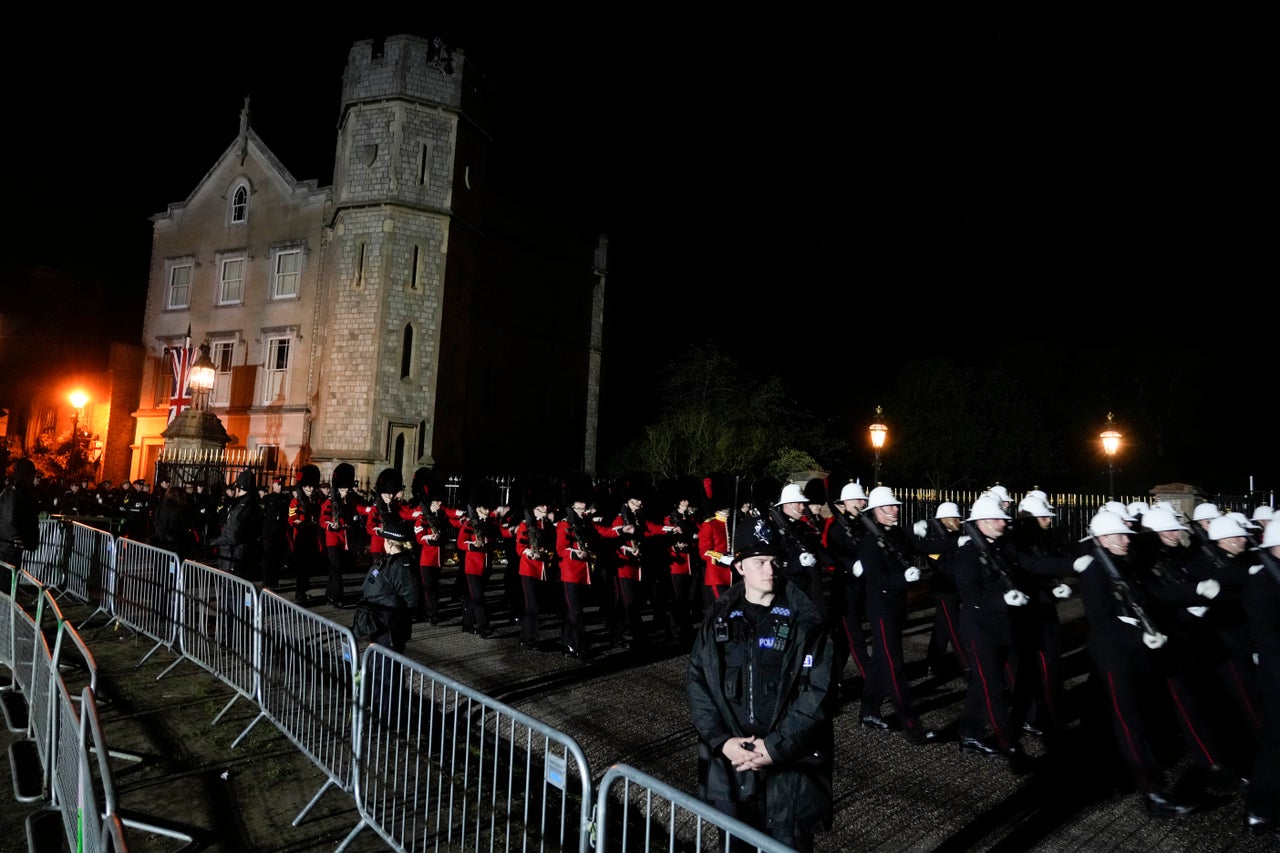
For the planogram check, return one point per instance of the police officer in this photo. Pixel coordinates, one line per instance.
(759, 691)
(390, 593)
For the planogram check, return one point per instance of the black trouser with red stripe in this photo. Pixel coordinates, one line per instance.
(887, 612)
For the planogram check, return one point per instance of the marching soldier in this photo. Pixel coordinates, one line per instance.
(478, 539)
(714, 543)
(804, 557)
(885, 556)
(947, 523)
(631, 534)
(306, 538)
(536, 544)
(674, 602)
(1262, 608)
(577, 544)
(844, 531)
(387, 505)
(341, 519)
(275, 532)
(433, 528)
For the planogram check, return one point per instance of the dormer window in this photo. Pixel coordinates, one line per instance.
(240, 204)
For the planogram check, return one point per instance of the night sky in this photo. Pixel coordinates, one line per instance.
(1066, 188)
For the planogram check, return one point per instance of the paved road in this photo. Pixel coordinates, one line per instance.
(629, 706)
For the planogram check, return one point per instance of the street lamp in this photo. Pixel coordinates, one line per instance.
(879, 432)
(1110, 444)
(78, 400)
(201, 379)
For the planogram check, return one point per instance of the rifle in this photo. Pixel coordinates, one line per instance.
(1271, 564)
(541, 553)
(888, 547)
(986, 557)
(473, 518)
(1120, 589)
(842, 519)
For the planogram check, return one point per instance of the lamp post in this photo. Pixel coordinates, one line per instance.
(78, 400)
(879, 432)
(1110, 444)
(196, 438)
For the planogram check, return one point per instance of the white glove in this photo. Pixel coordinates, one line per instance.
(1255, 658)
(857, 569)
(1129, 620)
(1082, 563)
(1062, 591)
(1154, 641)
(726, 560)
(1015, 598)
(962, 541)
(921, 528)
(1208, 589)
(1199, 610)
(912, 574)
(808, 560)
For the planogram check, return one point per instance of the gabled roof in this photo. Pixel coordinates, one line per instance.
(256, 148)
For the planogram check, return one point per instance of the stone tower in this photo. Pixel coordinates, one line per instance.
(406, 198)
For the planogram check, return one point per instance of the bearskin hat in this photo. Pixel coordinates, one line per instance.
(309, 475)
(538, 492)
(718, 490)
(815, 491)
(485, 493)
(389, 482)
(425, 486)
(344, 475)
(576, 487)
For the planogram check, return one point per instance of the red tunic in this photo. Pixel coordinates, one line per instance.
(629, 545)
(529, 566)
(477, 557)
(713, 536)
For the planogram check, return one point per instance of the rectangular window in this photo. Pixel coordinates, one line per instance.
(179, 286)
(277, 370)
(231, 281)
(221, 354)
(424, 165)
(413, 273)
(287, 275)
(161, 382)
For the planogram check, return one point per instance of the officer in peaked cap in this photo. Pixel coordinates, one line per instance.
(390, 593)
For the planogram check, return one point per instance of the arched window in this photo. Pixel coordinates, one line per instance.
(406, 352)
(240, 204)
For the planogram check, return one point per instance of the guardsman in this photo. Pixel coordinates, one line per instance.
(714, 542)
(478, 539)
(578, 544)
(275, 532)
(536, 545)
(682, 526)
(340, 519)
(306, 538)
(387, 504)
(631, 535)
(433, 529)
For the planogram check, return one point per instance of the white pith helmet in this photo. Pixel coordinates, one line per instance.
(1160, 519)
(792, 494)
(948, 509)
(1106, 523)
(882, 496)
(1205, 512)
(852, 492)
(986, 508)
(1225, 528)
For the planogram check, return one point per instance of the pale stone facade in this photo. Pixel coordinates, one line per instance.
(347, 321)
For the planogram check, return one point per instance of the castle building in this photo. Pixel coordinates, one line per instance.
(407, 315)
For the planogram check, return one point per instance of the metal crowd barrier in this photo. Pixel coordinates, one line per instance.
(669, 819)
(215, 618)
(90, 558)
(143, 594)
(306, 686)
(47, 563)
(439, 765)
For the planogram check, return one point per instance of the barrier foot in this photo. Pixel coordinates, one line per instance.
(155, 829)
(225, 709)
(180, 659)
(236, 742)
(327, 783)
(154, 649)
(351, 836)
(111, 620)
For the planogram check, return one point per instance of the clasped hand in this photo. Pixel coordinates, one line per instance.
(757, 757)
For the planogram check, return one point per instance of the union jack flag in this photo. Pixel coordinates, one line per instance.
(180, 363)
